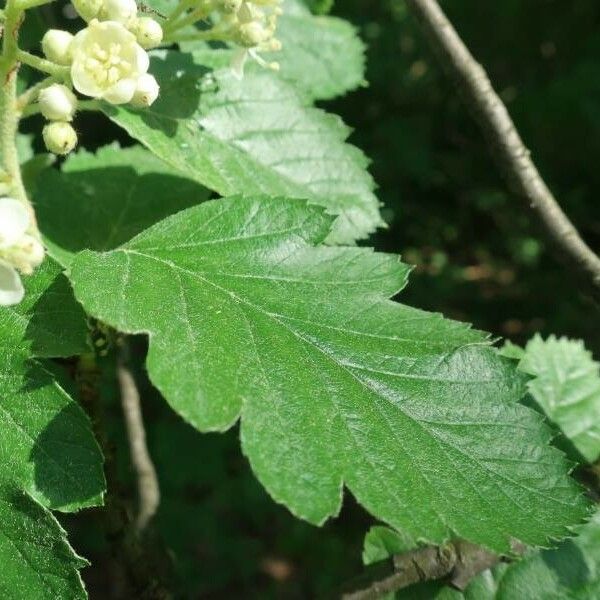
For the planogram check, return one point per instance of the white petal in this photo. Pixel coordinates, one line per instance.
(14, 221)
(11, 287)
(122, 92)
(142, 60)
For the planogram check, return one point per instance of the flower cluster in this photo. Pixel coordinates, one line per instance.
(254, 25)
(107, 60)
(250, 25)
(20, 249)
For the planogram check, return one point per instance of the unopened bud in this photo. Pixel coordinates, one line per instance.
(88, 9)
(59, 137)
(56, 46)
(122, 11)
(57, 102)
(148, 32)
(146, 91)
(252, 34)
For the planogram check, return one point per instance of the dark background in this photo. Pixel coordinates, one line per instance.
(477, 253)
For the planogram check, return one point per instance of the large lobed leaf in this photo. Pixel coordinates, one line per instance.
(254, 136)
(335, 384)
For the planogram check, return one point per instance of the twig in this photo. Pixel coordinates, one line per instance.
(510, 153)
(141, 566)
(459, 562)
(147, 481)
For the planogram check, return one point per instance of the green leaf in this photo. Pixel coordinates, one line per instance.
(254, 136)
(334, 383)
(37, 562)
(100, 201)
(382, 542)
(566, 385)
(47, 448)
(571, 571)
(323, 56)
(49, 322)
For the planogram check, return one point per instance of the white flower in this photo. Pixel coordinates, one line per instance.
(57, 102)
(107, 62)
(146, 91)
(255, 32)
(59, 137)
(56, 46)
(18, 250)
(122, 11)
(148, 32)
(11, 287)
(14, 222)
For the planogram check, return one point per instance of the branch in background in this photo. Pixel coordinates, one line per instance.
(141, 567)
(509, 151)
(147, 481)
(459, 562)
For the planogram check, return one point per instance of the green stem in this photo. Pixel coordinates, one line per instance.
(196, 15)
(199, 36)
(41, 64)
(9, 114)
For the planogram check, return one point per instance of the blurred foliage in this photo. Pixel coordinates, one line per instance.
(478, 257)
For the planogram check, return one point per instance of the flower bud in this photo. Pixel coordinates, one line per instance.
(88, 9)
(148, 32)
(146, 91)
(56, 46)
(59, 137)
(121, 11)
(57, 102)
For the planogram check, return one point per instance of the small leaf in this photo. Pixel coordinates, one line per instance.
(100, 201)
(37, 561)
(254, 136)
(568, 572)
(382, 542)
(334, 383)
(566, 385)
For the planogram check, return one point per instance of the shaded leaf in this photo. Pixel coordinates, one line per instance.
(101, 200)
(254, 136)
